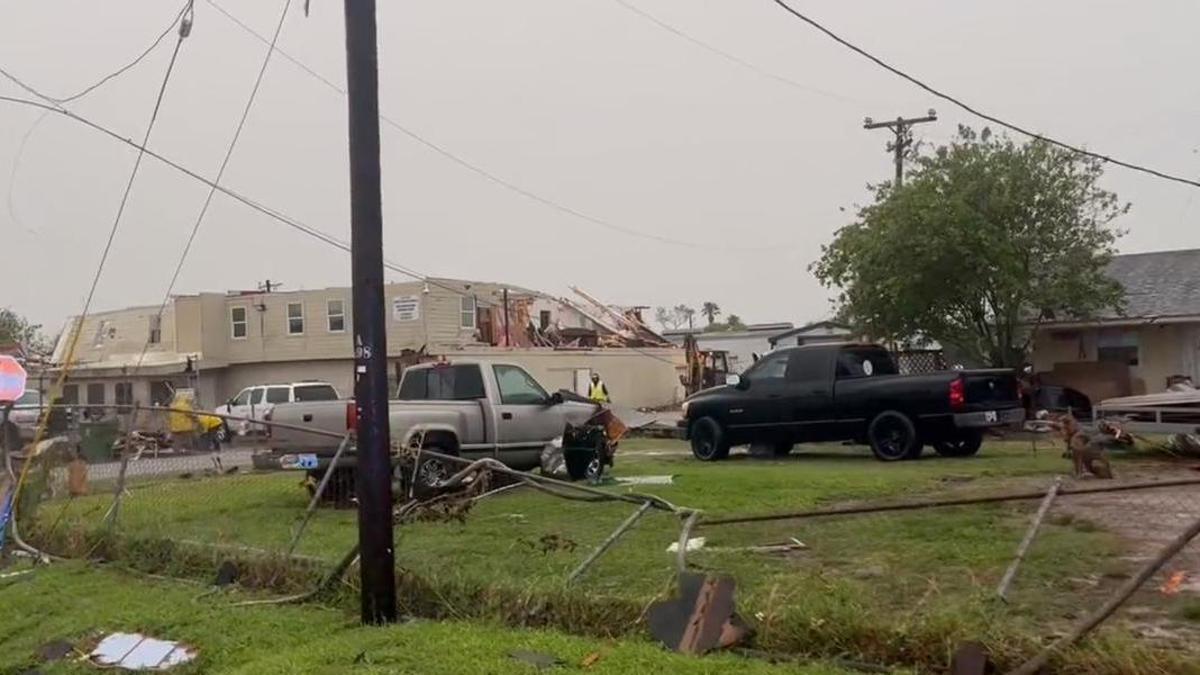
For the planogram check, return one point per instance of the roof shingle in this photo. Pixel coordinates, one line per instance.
(1159, 284)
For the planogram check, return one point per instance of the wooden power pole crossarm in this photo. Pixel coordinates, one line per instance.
(901, 127)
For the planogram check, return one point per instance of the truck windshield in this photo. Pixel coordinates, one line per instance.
(864, 362)
(315, 392)
(442, 383)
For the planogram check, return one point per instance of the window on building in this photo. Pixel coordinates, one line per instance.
(156, 329)
(295, 318)
(95, 393)
(467, 312)
(237, 322)
(544, 319)
(123, 393)
(70, 394)
(335, 310)
(1117, 347)
(518, 387)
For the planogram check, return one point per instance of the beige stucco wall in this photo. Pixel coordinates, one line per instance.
(639, 378)
(1163, 350)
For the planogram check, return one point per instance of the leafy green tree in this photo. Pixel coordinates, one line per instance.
(986, 239)
(711, 311)
(15, 328)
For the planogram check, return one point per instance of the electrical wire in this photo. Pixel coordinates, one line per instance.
(488, 175)
(112, 234)
(246, 201)
(12, 179)
(187, 248)
(982, 115)
(272, 213)
(185, 10)
(736, 59)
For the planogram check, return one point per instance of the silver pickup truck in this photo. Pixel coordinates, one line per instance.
(472, 409)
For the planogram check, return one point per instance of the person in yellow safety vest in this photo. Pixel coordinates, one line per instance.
(597, 391)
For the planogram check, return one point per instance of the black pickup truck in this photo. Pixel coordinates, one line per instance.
(837, 392)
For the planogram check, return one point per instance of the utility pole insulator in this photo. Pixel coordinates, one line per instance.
(902, 128)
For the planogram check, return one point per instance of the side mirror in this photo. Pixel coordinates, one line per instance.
(737, 381)
(555, 399)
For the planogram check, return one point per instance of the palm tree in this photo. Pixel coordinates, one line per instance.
(685, 314)
(710, 310)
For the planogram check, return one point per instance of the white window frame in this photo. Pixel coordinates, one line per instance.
(245, 323)
(462, 313)
(329, 315)
(288, 318)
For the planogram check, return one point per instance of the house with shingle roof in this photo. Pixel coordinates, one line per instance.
(1155, 339)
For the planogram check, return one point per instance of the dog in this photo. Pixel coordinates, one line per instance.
(1086, 452)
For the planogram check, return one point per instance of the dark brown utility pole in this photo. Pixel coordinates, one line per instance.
(507, 337)
(374, 475)
(902, 128)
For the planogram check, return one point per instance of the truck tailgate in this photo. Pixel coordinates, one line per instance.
(327, 416)
(991, 389)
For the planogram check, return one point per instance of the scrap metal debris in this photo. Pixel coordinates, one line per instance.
(701, 619)
(646, 480)
(134, 651)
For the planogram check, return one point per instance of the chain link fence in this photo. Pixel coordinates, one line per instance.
(888, 581)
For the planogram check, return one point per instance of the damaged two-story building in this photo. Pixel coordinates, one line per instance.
(219, 343)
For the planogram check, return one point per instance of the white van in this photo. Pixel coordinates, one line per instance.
(255, 402)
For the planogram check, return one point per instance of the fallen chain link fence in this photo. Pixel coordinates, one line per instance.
(1027, 569)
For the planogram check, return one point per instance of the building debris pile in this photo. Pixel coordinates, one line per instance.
(537, 320)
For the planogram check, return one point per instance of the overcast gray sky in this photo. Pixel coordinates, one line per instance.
(580, 101)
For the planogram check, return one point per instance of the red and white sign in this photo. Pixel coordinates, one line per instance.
(12, 379)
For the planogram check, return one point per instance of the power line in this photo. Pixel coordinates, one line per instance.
(74, 340)
(513, 187)
(187, 247)
(236, 196)
(995, 120)
(734, 58)
(16, 165)
(185, 10)
(246, 201)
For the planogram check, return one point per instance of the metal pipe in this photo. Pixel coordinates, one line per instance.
(966, 501)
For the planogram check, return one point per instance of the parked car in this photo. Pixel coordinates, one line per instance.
(256, 401)
(471, 409)
(22, 419)
(834, 392)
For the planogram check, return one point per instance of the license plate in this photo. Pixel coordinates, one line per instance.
(309, 461)
(989, 416)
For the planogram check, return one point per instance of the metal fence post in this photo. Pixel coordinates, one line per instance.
(316, 498)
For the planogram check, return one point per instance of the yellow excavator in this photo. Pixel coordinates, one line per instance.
(705, 367)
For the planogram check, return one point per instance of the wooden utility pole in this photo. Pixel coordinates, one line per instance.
(902, 128)
(374, 474)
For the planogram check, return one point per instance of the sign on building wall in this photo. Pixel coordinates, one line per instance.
(406, 308)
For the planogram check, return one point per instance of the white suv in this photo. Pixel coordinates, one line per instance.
(255, 402)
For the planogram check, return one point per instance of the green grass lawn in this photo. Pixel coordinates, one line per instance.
(75, 603)
(899, 587)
